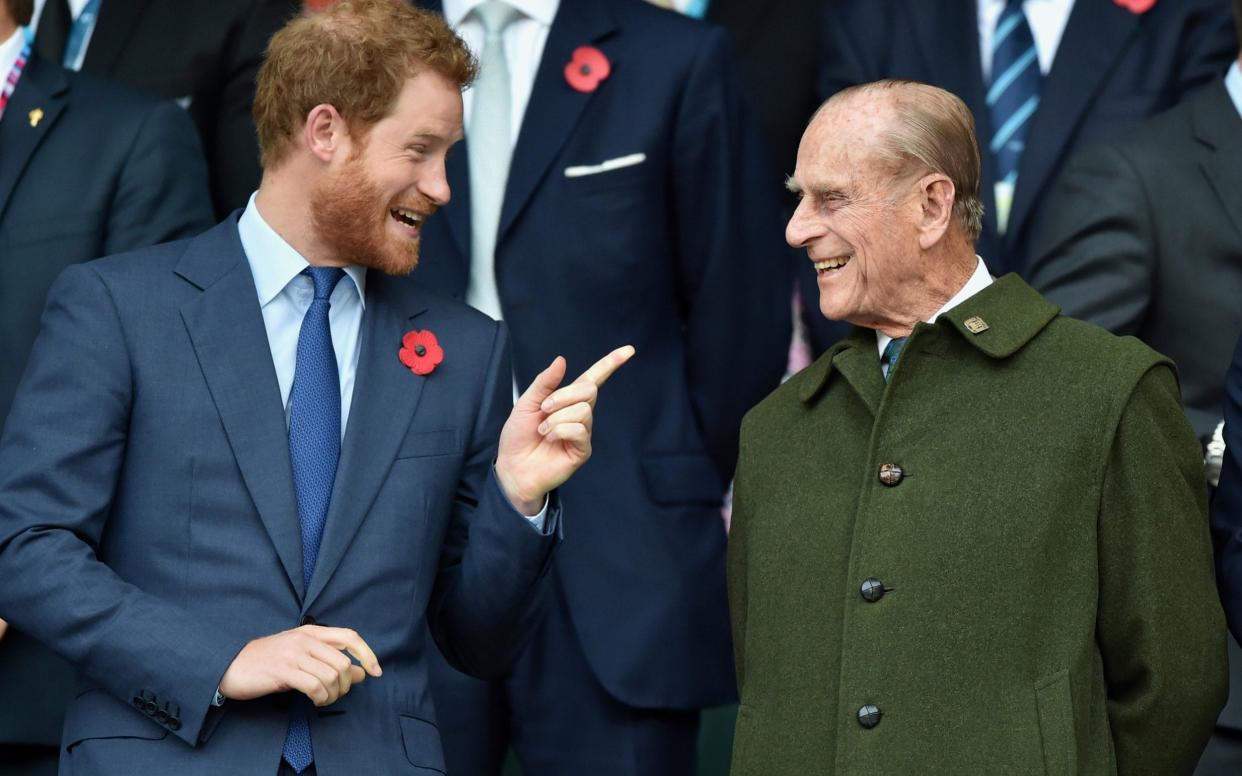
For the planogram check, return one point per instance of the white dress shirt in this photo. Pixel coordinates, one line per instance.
(1047, 19)
(9, 51)
(1233, 85)
(524, 40)
(284, 297)
(75, 8)
(978, 281)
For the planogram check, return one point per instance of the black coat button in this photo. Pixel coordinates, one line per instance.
(161, 716)
(137, 701)
(307, 620)
(869, 716)
(174, 723)
(148, 708)
(891, 474)
(872, 590)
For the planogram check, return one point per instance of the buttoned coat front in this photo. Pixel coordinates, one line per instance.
(1040, 597)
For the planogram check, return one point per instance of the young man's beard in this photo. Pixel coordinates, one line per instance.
(349, 216)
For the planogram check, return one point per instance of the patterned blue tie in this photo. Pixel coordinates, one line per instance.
(1014, 93)
(315, 448)
(888, 359)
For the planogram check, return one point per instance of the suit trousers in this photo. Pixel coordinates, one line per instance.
(556, 716)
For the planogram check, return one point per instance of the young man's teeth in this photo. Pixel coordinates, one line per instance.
(839, 261)
(408, 216)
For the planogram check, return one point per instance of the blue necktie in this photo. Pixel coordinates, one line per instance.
(1014, 93)
(314, 448)
(888, 359)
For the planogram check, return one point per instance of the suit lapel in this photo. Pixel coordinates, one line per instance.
(43, 86)
(554, 106)
(1218, 126)
(113, 28)
(385, 396)
(230, 340)
(1094, 37)
(954, 26)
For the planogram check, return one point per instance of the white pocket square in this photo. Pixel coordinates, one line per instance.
(611, 164)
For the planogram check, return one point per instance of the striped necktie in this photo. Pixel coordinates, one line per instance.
(888, 359)
(1012, 98)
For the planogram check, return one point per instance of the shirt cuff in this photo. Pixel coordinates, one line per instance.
(219, 699)
(538, 520)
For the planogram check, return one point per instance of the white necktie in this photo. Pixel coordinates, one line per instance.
(489, 151)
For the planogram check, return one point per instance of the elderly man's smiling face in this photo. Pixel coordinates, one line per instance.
(856, 221)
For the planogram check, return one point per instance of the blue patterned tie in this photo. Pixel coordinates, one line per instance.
(1013, 94)
(888, 359)
(315, 448)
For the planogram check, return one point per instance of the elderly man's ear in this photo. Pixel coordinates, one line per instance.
(936, 194)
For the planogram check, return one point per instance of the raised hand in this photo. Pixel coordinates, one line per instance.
(308, 659)
(548, 434)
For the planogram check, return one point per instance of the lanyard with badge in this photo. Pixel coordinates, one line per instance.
(10, 83)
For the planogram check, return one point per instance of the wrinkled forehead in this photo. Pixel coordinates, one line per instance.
(839, 145)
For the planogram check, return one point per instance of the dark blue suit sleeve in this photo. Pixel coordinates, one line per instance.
(1227, 504)
(735, 272)
(60, 460)
(162, 192)
(492, 582)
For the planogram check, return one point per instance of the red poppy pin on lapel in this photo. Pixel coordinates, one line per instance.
(1136, 6)
(420, 352)
(587, 69)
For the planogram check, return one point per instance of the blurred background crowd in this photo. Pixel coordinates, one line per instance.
(649, 199)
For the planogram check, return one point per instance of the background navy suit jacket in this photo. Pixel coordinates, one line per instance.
(148, 525)
(1111, 68)
(683, 256)
(104, 170)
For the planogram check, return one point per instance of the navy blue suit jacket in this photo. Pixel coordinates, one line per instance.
(1111, 68)
(683, 256)
(148, 525)
(103, 170)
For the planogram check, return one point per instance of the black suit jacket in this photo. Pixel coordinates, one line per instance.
(1146, 239)
(205, 51)
(1112, 68)
(103, 170)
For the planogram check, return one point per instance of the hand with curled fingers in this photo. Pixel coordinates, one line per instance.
(310, 659)
(548, 434)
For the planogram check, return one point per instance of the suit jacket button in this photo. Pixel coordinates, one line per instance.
(872, 590)
(161, 716)
(869, 716)
(148, 708)
(137, 701)
(174, 723)
(891, 474)
(307, 620)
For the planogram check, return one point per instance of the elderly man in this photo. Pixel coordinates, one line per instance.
(236, 461)
(971, 538)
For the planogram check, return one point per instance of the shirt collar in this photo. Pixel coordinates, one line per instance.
(274, 263)
(1233, 84)
(978, 281)
(542, 11)
(9, 51)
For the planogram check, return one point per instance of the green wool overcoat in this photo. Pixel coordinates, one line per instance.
(1028, 588)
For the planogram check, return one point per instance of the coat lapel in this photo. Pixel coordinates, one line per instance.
(857, 360)
(1218, 126)
(229, 338)
(554, 107)
(113, 29)
(1094, 38)
(386, 394)
(43, 87)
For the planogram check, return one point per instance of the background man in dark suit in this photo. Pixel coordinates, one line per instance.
(202, 53)
(1091, 67)
(86, 168)
(638, 207)
(1142, 235)
(220, 443)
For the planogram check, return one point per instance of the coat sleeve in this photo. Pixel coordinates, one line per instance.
(1227, 503)
(162, 193)
(491, 585)
(1160, 627)
(735, 270)
(60, 462)
(1094, 252)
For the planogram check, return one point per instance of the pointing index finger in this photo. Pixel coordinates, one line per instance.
(601, 370)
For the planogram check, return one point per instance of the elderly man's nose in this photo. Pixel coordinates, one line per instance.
(801, 229)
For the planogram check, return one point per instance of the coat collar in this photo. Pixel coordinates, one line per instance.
(1014, 313)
